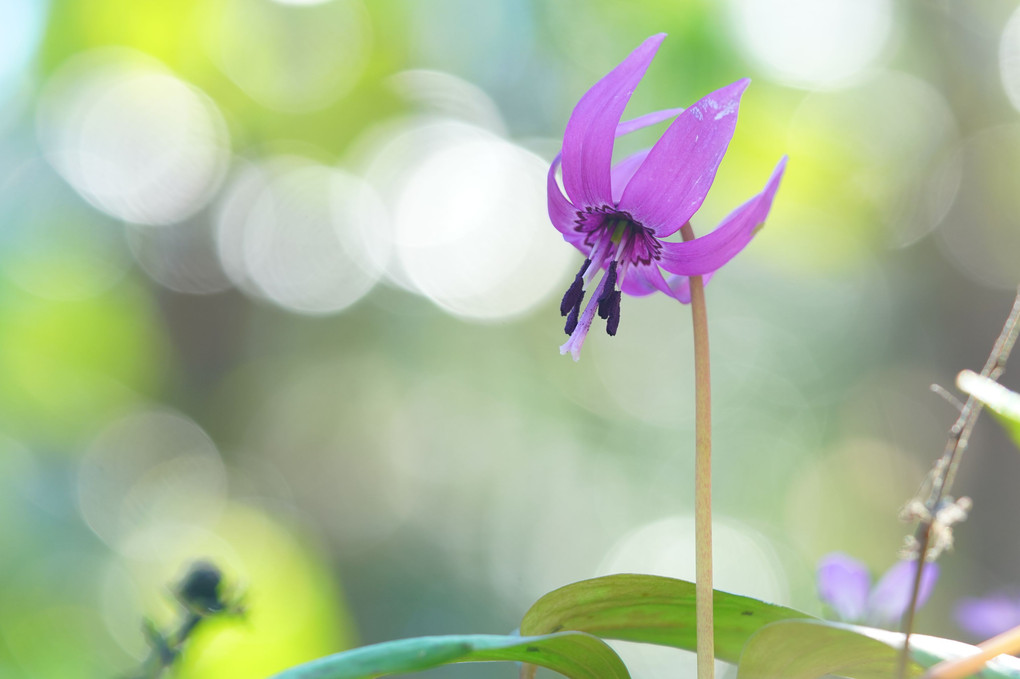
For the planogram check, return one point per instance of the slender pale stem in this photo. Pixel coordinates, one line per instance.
(702, 476)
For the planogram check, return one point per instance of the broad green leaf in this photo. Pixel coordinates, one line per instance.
(651, 609)
(807, 649)
(1003, 403)
(573, 654)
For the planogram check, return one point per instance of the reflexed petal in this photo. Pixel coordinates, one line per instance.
(710, 252)
(624, 170)
(891, 596)
(843, 583)
(561, 212)
(637, 283)
(681, 286)
(644, 280)
(987, 617)
(635, 124)
(588, 140)
(672, 184)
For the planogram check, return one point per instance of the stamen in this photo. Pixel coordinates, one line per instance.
(598, 256)
(608, 287)
(575, 293)
(580, 332)
(613, 312)
(622, 274)
(572, 319)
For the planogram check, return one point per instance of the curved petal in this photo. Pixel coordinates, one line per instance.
(561, 213)
(637, 284)
(672, 184)
(644, 280)
(635, 124)
(843, 583)
(989, 616)
(624, 170)
(588, 140)
(710, 252)
(681, 286)
(891, 596)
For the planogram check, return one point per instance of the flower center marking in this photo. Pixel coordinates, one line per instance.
(618, 238)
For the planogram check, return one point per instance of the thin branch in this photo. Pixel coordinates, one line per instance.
(949, 463)
(948, 395)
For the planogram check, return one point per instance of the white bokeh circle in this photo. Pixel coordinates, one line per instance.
(471, 229)
(130, 137)
(813, 43)
(303, 235)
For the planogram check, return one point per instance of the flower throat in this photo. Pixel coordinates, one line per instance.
(615, 236)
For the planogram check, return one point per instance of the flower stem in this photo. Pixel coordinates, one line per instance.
(702, 476)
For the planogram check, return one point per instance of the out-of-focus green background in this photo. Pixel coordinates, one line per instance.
(277, 288)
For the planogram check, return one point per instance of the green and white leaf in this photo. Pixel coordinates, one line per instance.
(572, 654)
(1005, 404)
(807, 649)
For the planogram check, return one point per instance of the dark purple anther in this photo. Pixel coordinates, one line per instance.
(607, 291)
(613, 312)
(572, 319)
(575, 293)
(610, 281)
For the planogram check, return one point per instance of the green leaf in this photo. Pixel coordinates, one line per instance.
(651, 609)
(1003, 403)
(573, 654)
(807, 649)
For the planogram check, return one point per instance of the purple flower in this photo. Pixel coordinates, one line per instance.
(989, 616)
(845, 585)
(618, 216)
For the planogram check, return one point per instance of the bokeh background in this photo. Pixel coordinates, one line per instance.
(277, 288)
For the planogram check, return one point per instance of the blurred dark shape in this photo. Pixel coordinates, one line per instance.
(199, 591)
(201, 596)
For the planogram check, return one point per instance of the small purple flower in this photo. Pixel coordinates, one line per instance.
(618, 216)
(845, 584)
(988, 616)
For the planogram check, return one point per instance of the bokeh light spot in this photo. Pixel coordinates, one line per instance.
(981, 233)
(447, 95)
(744, 563)
(813, 43)
(305, 236)
(131, 138)
(471, 229)
(1009, 59)
(877, 151)
(146, 469)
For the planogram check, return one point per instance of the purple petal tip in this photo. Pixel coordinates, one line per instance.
(843, 583)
